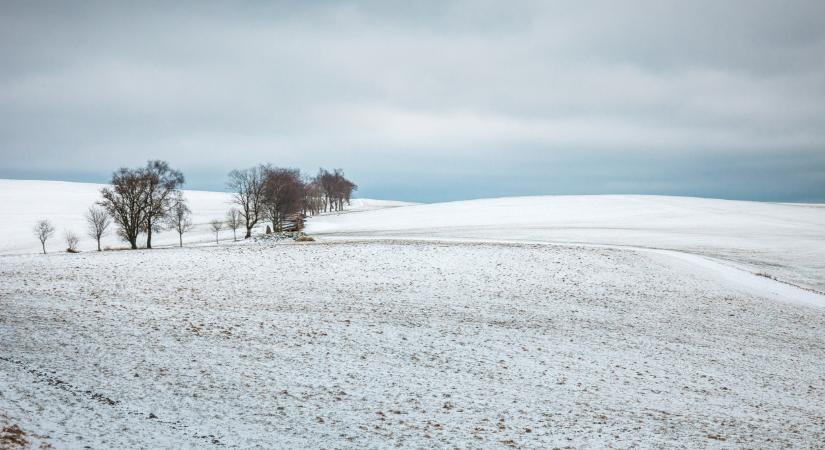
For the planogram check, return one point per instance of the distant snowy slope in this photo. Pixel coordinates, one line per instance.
(24, 202)
(365, 204)
(783, 240)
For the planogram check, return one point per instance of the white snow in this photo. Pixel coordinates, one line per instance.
(410, 344)
(367, 204)
(462, 324)
(786, 241)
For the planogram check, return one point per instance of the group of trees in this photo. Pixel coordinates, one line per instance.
(283, 195)
(140, 200)
(335, 189)
(148, 199)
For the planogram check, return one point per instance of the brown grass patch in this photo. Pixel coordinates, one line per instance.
(13, 437)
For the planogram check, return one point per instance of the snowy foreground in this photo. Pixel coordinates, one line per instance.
(383, 335)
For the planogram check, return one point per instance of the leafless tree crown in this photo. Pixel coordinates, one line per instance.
(179, 217)
(43, 229)
(233, 221)
(334, 188)
(162, 189)
(247, 187)
(216, 226)
(97, 222)
(283, 196)
(139, 198)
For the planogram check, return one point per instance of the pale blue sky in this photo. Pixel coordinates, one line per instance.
(428, 101)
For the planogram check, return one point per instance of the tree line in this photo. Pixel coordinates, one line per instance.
(149, 199)
(283, 195)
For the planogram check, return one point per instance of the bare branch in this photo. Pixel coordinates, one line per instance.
(43, 229)
(97, 221)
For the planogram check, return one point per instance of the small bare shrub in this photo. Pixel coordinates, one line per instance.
(71, 241)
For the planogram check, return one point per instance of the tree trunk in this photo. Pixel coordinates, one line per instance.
(248, 233)
(180, 236)
(149, 234)
(98, 244)
(234, 235)
(43, 243)
(133, 243)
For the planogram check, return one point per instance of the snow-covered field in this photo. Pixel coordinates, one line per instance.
(786, 241)
(384, 334)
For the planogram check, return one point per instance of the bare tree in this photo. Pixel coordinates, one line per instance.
(71, 241)
(126, 202)
(179, 217)
(313, 197)
(162, 188)
(98, 222)
(283, 195)
(217, 226)
(247, 187)
(43, 229)
(233, 221)
(336, 189)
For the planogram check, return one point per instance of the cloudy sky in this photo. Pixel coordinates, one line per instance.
(425, 100)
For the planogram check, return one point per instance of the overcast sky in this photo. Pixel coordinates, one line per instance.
(425, 100)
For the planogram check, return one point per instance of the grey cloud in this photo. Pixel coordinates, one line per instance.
(393, 91)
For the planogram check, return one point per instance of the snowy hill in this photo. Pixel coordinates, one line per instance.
(417, 327)
(23, 202)
(784, 240)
